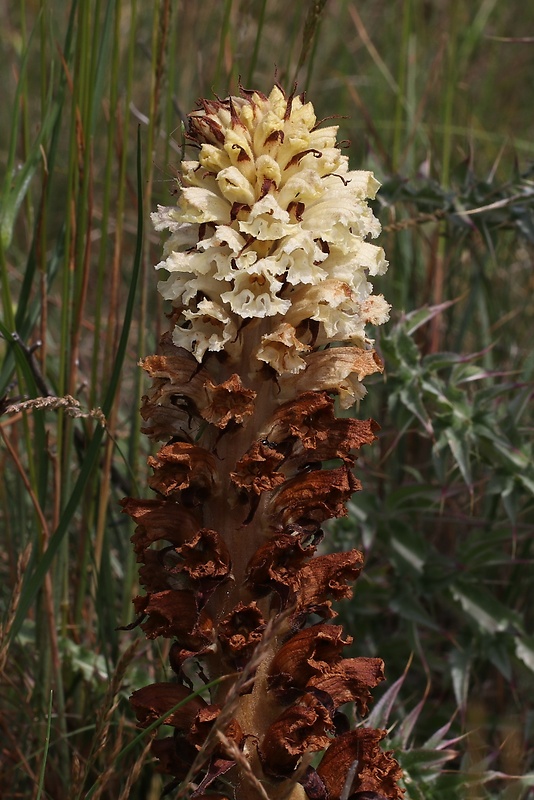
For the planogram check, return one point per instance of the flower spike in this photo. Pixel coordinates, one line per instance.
(268, 261)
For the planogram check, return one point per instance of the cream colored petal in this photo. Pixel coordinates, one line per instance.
(235, 187)
(211, 328)
(228, 265)
(166, 218)
(255, 295)
(267, 221)
(371, 258)
(206, 285)
(339, 369)
(303, 258)
(302, 187)
(277, 102)
(194, 262)
(237, 146)
(267, 169)
(339, 213)
(211, 158)
(281, 349)
(174, 287)
(201, 205)
(362, 183)
(224, 235)
(183, 238)
(375, 309)
(324, 137)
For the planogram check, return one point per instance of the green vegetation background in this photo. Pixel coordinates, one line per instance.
(436, 97)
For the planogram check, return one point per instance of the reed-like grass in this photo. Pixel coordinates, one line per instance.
(436, 98)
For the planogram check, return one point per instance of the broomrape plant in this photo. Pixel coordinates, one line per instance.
(268, 264)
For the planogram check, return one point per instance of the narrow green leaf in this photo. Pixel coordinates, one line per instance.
(409, 546)
(497, 653)
(42, 771)
(524, 650)
(254, 57)
(410, 396)
(415, 319)
(17, 181)
(485, 610)
(460, 452)
(15, 123)
(427, 763)
(33, 583)
(460, 664)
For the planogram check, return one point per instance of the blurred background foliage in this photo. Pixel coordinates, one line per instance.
(436, 97)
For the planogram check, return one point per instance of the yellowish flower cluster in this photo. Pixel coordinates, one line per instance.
(270, 223)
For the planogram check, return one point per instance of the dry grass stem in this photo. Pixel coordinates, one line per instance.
(134, 770)
(233, 752)
(67, 403)
(5, 627)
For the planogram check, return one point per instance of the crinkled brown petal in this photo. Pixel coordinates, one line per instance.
(256, 471)
(153, 575)
(160, 519)
(317, 495)
(302, 728)
(350, 681)
(275, 564)
(344, 437)
(241, 631)
(204, 556)
(177, 367)
(306, 418)
(377, 771)
(312, 651)
(165, 423)
(325, 578)
(228, 402)
(203, 722)
(316, 434)
(173, 403)
(175, 613)
(179, 465)
(175, 756)
(153, 701)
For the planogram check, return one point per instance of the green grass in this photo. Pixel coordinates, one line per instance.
(436, 99)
